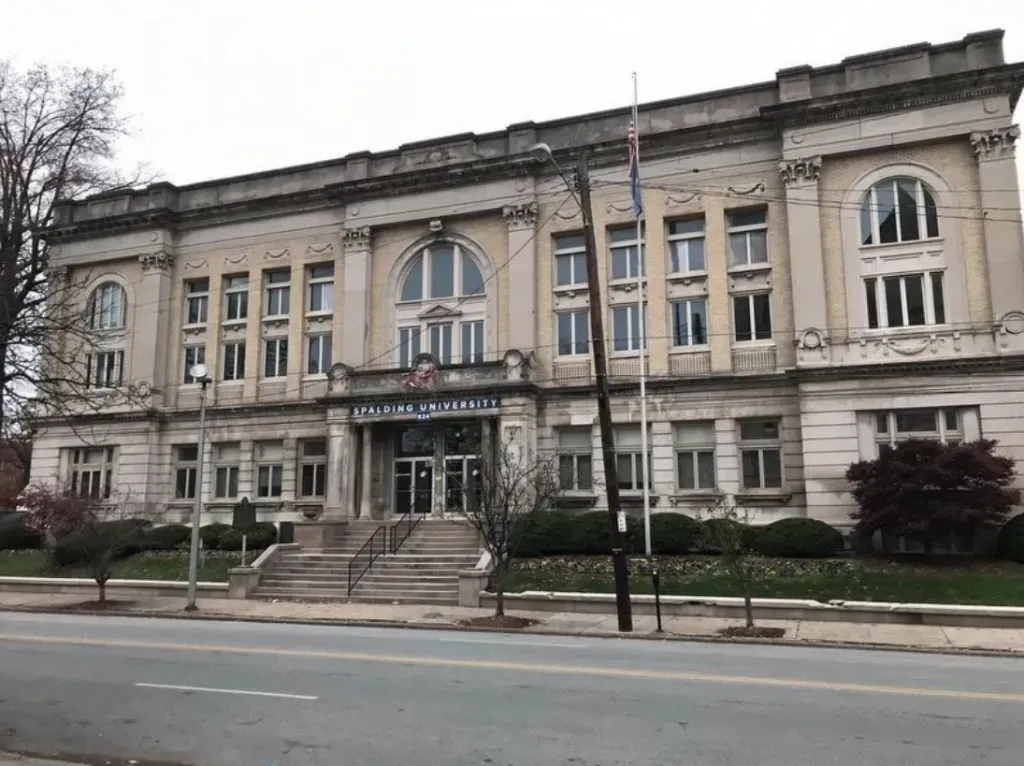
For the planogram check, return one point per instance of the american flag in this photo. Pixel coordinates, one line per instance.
(634, 171)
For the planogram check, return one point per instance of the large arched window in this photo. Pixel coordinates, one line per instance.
(108, 307)
(898, 210)
(441, 305)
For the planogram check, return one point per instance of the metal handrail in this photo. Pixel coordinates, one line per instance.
(410, 520)
(374, 553)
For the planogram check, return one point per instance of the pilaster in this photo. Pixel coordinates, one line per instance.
(152, 322)
(522, 276)
(356, 304)
(296, 328)
(338, 502)
(253, 336)
(366, 485)
(807, 264)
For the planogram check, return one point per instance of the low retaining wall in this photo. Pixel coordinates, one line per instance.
(946, 615)
(115, 588)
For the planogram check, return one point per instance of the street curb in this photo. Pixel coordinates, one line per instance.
(452, 628)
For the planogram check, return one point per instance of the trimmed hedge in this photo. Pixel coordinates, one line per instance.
(558, 533)
(167, 537)
(15, 536)
(259, 536)
(709, 533)
(798, 538)
(211, 535)
(1010, 543)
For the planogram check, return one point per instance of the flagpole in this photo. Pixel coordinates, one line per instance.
(642, 326)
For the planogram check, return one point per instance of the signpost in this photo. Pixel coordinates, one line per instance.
(243, 518)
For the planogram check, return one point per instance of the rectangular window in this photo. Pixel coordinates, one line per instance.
(226, 458)
(938, 424)
(752, 317)
(409, 345)
(695, 455)
(197, 301)
(629, 458)
(320, 288)
(626, 334)
(689, 322)
(570, 261)
(313, 468)
(440, 339)
(277, 288)
(92, 472)
(193, 355)
(234, 360)
(748, 237)
(275, 357)
(686, 246)
(236, 298)
(761, 454)
(104, 369)
(907, 300)
(575, 459)
(318, 354)
(472, 342)
(573, 332)
(269, 468)
(627, 259)
(186, 467)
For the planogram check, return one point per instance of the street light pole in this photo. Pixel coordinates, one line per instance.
(199, 374)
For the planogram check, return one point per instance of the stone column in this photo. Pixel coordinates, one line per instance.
(152, 323)
(437, 506)
(521, 316)
(339, 501)
(1000, 203)
(366, 485)
(807, 265)
(355, 302)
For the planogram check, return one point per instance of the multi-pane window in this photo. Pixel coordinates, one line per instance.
(108, 309)
(275, 357)
(626, 330)
(236, 297)
(186, 469)
(277, 289)
(689, 322)
(226, 458)
(898, 210)
(192, 356)
(942, 424)
(320, 288)
(408, 345)
(629, 458)
(92, 472)
(442, 270)
(761, 454)
(695, 455)
(104, 369)
(269, 468)
(439, 342)
(313, 468)
(318, 354)
(573, 332)
(233, 363)
(907, 300)
(575, 459)
(686, 245)
(197, 301)
(748, 237)
(472, 346)
(627, 259)
(752, 316)
(570, 261)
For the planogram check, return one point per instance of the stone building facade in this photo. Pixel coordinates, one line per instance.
(831, 261)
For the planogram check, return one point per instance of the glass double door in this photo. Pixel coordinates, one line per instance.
(414, 485)
(415, 457)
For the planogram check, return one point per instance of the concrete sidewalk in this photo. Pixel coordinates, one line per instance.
(922, 637)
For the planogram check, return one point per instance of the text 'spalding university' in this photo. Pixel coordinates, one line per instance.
(419, 409)
(529, 667)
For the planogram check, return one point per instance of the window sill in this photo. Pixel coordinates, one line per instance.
(632, 354)
(691, 496)
(572, 500)
(876, 333)
(231, 324)
(320, 314)
(627, 285)
(687, 277)
(275, 318)
(233, 382)
(690, 349)
(631, 498)
(571, 291)
(313, 377)
(276, 379)
(763, 497)
(193, 329)
(750, 268)
(909, 245)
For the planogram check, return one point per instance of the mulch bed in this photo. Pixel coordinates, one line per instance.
(742, 631)
(492, 621)
(96, 606)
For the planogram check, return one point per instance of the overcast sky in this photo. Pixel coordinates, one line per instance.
(223, 87)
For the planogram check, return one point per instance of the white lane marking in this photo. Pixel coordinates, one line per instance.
(509, 643)
(226, 691)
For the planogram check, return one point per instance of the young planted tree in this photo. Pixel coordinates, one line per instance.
(926, 490)
(724, 529)
(503, 496)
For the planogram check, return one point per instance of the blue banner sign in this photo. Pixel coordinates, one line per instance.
(423, 410)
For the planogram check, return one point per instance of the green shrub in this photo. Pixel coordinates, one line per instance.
(15, 536)
(211, 535)
(120, 539)
(1010, 543)
(259, 536)
(167, 537)
(711, 531)
(798, 538)
(673, 534)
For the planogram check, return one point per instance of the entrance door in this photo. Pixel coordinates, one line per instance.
(461, 472)
(414, 485)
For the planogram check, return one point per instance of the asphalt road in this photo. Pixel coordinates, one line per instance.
(201, 692)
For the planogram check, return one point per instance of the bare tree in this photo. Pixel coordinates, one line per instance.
(724, 529)
(502, 497)
(58, 133)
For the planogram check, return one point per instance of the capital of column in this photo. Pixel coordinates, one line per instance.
(800, 172)
(356, 239)
(520, 216)
(160, 262)
(995, 144)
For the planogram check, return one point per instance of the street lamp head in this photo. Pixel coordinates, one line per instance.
(198, 371)
(541, 152)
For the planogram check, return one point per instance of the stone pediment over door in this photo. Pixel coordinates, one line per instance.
(439, 311)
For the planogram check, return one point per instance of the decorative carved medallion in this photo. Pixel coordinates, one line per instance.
(160, 261)
(57, 275)
(339, 378)
(520, 216)
(992, 144)
(517, 365)
(802, 171)
(356, 239)
(423, 375)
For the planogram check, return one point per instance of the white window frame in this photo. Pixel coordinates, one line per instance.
(625, 450)
(276, 294)
(633, 338)
(761, 447)
(108, 308)
(186, 471)
(315, 463)
(687, 341)
(191, 355)
(949, 422)
(754, 329)
(870, 209)
(227, 458)
(679, 245)
(321, 355)
(425, 257)
(269, 468)
(574, 327)
(471, 341)
(875, 287)
(622, 246)
(576, 255)
(236, 297)
(104, 370)
(747, 230)
(280, 346)
(237, 369)
(320, 288)
(701, 442)
(410, 344)
(197, 301)
(89, 476)
(571, 456)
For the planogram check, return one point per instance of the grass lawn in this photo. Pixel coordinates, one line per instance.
(169, 565)
(974, 582)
